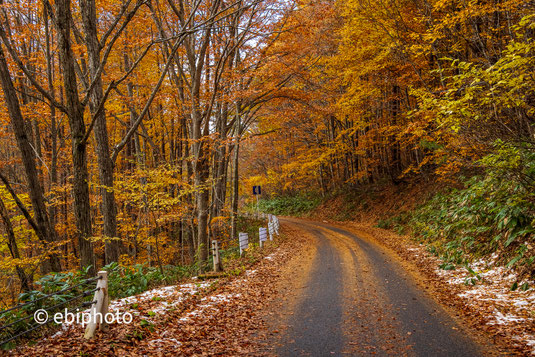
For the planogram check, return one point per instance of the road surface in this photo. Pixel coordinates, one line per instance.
(351, 297)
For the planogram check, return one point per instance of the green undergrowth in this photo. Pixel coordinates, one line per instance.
(299, 205)
(123, 281)
(127, 280)
(489, 215)
(493, 214)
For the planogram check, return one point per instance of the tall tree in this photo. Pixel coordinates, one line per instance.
(43, 227)
(105, 163)
(75, 113)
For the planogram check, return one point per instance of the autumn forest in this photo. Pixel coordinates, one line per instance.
(132, 131)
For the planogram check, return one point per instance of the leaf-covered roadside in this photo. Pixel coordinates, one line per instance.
(490, 306)
(214, 317)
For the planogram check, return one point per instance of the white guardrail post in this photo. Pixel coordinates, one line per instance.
(262, 234)
(270, 230)
(244, 242)
(100, 307)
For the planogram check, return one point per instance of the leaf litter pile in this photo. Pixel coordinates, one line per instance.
(218, 316)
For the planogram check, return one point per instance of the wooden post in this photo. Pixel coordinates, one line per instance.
(100, 308)
(105, 305)
(217, 259)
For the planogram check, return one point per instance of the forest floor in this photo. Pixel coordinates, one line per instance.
(196, 318)
(352, 288)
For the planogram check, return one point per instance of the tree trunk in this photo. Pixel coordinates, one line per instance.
(82, 205)
(201, 193)
(25, 281)
(105, 164)
(235, 193)
(52, 209)
(28, 159)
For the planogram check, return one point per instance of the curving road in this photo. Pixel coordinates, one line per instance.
(354, 299)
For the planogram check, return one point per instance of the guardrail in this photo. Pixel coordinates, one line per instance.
(40, 314)
(273, 226)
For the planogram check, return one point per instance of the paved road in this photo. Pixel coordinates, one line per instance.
(356, 300)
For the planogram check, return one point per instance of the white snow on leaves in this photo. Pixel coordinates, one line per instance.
(166, 292)
(160, 299)
(493, 284)
(174, 295)
(208, 303)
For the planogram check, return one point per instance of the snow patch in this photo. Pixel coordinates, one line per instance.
(159, 295)
(505, 319)
(164, 341)
(493, 287)
(208, 305)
